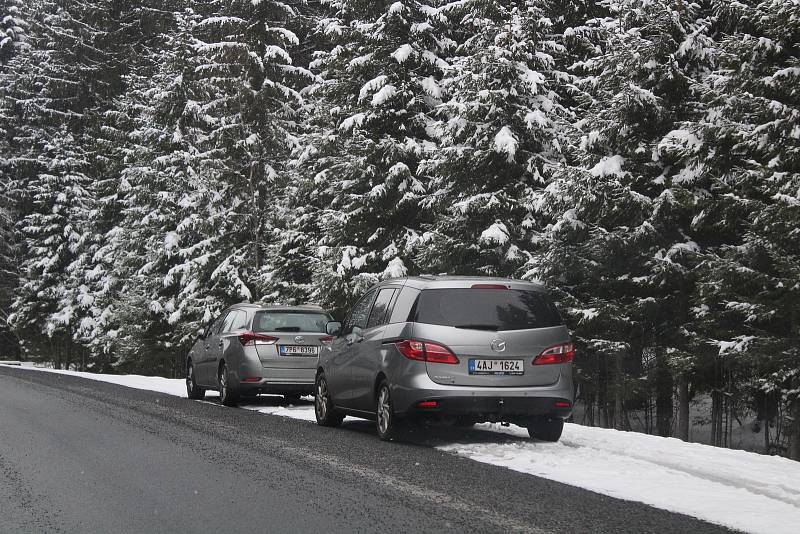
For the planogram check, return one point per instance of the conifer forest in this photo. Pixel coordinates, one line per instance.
(161, 160)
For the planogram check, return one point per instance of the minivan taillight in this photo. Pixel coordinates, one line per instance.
(561, 353)
(249, 339)
(425, 351)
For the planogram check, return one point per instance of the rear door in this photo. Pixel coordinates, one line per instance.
(346, 349)
(206, 357)
(367, 361)
(495, 333)
(219, 345)
(230, 348)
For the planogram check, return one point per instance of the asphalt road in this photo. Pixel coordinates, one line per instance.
(85, 456)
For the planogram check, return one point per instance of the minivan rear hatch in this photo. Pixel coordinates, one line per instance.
(495, 332)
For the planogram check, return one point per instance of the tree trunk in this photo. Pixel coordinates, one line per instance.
(663, 395)
(794, 451)
(618, 392)
(683, 408)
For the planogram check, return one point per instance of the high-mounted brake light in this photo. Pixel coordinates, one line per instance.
(425, 351)
(249, 339)
(561, 353)
(489, 286)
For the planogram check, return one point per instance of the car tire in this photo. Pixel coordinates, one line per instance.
(324, 411)
(292, 398)
(228, 392)
(193, 391)
(546, 428)
(388, 425)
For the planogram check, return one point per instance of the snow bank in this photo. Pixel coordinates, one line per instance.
(737, 489)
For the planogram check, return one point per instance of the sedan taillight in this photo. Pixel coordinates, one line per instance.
(249, 339)
(425, 351)
(326, 340)
(561, 353)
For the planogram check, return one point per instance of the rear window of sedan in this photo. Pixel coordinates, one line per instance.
(486, 309)
(290, 321)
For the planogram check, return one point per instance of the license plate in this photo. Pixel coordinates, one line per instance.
(298, 350)
(495, 367)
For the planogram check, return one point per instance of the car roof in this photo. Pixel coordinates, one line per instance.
(279, 307)
(455, 282)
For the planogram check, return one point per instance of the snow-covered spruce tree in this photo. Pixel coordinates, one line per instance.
(9, 272)
(130, 28)
(171, 211)
(745, 155)
(251, 117)
(12, 29)
(51, 87)
(379, 84)
(498, 139)
(615, 247)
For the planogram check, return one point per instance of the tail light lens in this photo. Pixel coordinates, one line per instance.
(249, 339)
(425, 351)
(326, 340)
(562, 353)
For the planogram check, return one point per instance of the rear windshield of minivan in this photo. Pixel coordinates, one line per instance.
(290, 321)
(486, 309)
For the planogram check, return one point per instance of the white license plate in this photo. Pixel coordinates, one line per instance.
(298, 350)
(496, 367)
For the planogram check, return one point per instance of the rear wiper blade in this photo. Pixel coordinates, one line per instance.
(492, 327)
(287, 329)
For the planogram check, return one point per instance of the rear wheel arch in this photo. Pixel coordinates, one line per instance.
(376, 386)
(219, 367)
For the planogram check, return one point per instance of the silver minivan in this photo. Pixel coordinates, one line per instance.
(457, 349)
(252, 348)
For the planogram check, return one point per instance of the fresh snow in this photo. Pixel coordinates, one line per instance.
(403, 53)
(505, 142)
(608, 166)
(740, 490)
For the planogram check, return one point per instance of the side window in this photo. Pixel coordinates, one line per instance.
(403, 305)
(377, 316)
(226, 326)
(359, 313)
(215, 328)
(240, 321)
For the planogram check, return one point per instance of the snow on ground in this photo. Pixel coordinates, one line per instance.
(738, 489)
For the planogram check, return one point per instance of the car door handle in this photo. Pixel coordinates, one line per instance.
(220, 344)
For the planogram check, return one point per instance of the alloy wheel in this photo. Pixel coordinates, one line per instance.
(384, 411)
(321, 399)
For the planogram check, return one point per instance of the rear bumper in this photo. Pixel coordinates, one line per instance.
(276, 380)
(511, 404)
(499, 408)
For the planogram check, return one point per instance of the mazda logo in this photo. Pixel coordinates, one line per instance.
(498, 345)
(299, 339)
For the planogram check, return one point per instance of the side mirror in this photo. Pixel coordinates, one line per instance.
(201, 334)
(333, 328)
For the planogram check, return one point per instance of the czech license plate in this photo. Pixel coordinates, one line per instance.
(298, 350)
(495, 367)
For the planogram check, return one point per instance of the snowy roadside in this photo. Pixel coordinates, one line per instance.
(737, 489)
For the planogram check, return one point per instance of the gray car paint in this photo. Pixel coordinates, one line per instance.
(354, 369)
(277, 374)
